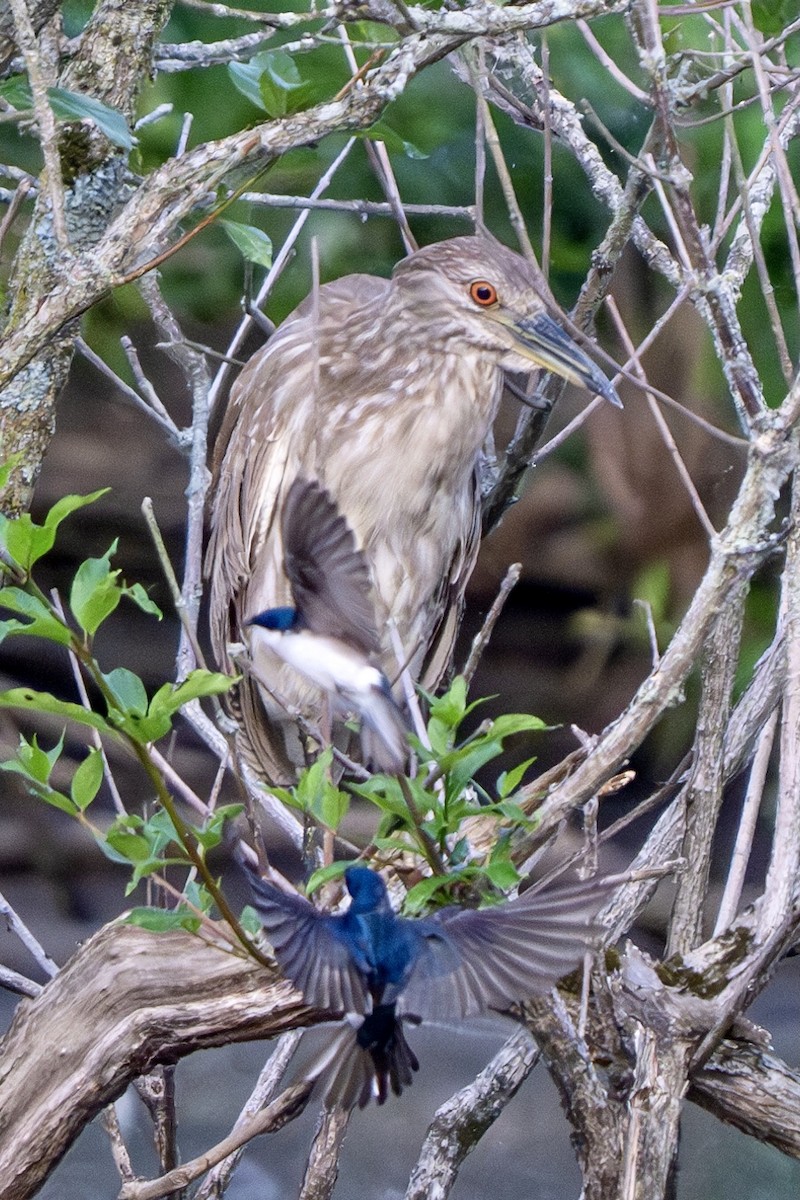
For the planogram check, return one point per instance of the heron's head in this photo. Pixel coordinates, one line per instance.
(476, 290)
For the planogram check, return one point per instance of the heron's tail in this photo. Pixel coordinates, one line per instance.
(362, 1058)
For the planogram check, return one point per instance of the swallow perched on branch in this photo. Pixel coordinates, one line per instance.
(329, 635)
(384, 971)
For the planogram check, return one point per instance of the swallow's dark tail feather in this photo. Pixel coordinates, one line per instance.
(393, 1060)
(363, 1060)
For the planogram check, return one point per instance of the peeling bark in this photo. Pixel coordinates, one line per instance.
(129, 999)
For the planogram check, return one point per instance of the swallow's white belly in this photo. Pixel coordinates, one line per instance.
(326, 662)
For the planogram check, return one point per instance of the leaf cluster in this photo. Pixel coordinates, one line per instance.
(122, 714)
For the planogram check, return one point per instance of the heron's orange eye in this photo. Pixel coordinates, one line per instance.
(483, 293)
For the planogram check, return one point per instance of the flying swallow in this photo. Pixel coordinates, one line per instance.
(329, 634)
(383, 971)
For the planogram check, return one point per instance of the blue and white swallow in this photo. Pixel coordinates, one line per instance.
(329, 634)
(382, 971)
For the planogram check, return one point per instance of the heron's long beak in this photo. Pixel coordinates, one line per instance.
(545, 343)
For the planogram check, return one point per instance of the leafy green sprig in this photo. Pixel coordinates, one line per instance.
(130, 716)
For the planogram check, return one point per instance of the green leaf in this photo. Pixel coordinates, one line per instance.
(450, 708)
(32, 761)
(250, 921)
(52, 797)
(514, 812)
(333, 807)
(10, 464)
(17, 92)
(95, 592)
(325, 875)
(140, 598)
(503, 874)
(381, 132)
(23, 540)
(282, 90)
(72, 106)
(46, 759)
(125, 838)
(26, 542)
(87, 779)
(509, 781)
(371, 32)
(463, 764)
(245, 77)
(42, 621)
(170, 696)
(128, 691)
(161, 919)
(770, 17)
(384, 792)
(148, 866)
(653, 586)
(250, 241)
(390, 844)
(315, 795)
(211, 833)
(27, 698)
(198, 894)
(503, 726)
(159, 831)
(421, 893)
(446, 714)
(270, 81)
(131, 712)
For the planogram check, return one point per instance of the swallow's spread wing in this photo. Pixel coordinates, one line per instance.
(308, 949)
(329, 575)
(476, 959)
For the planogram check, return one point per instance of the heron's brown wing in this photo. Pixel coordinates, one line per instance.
(477, 959)
(255, 450)
(449, 603)
(330, 578)
(308, 951)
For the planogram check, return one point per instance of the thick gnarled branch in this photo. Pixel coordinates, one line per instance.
(127, 1000)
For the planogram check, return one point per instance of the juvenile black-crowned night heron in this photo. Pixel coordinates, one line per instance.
(385, 391)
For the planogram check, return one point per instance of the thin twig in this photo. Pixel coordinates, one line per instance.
(12, 981)
(274, 273)
(663, 428)
(26, 40)
(379, 157)
(193, 365)
(462, 1121)
(482, 637)
(547, 182)
(360, 208)
(14, 206)
(271, 1075)
(745, 833)
(119, 1151)
(288, 1106)
(28, 939)
(171, 579)
(83, 695)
